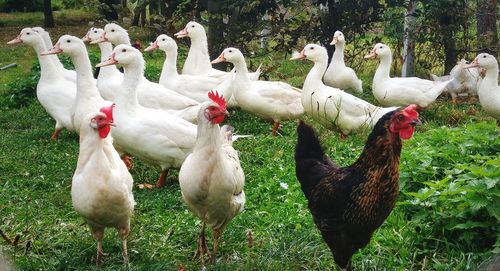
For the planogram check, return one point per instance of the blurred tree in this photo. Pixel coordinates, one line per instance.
(48, 18)
(487, 34)
(409, 42)
(215, 33)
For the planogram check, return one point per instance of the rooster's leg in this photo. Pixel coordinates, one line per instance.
(202, 245)
(128, 162)
(98, 235)
(56, 133)
(162, 179)
(275, 127)
(124, 234)
(216, 237)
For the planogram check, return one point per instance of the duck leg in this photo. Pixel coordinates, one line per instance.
(98, 234)
(162, 179)
(55, 134)
(202, 246)
(128, 161)
(124, 234)
(275, 127)
(217, 234)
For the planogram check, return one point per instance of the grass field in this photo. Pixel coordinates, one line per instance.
(455, 143)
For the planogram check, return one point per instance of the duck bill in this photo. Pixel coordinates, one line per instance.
(300, 55)
(17, 40)
(181, 34)
(111, 61)
(101, 38)
(54, 51)
(221, 58)
(473, 64)
(334, 41)
(371, 55)
(152, 47)
(86, 38)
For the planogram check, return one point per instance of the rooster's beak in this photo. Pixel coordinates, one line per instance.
(415, 122)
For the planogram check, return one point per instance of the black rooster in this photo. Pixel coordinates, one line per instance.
(348, 204)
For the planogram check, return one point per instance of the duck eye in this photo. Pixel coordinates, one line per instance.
(230, 51)
(68, 41)
(484, 56)
(124, 50)
(28, 33)
(163, 39)
(192, 26)
(312, 48)
(95, 31)
(112, 30)
(380, 47)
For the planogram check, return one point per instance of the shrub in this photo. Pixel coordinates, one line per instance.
(22, 91)
(460, 202)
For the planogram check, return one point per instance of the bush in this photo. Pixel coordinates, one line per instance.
(22, 91)
(21, 5)
(460, 202)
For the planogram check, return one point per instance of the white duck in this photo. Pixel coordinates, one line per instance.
(338, 75)
(198, 60)
(151, 94)
(463, 80)
(193, 86)
(488, 90)
(109, 78)
(400, 91)
(152, 135)
(88, 99)
(101, 190)
(68, 74)
(54, 92)
(275, 101)
(332, 106)
(211, 178)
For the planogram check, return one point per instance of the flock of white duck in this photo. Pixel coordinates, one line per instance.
(175, 123)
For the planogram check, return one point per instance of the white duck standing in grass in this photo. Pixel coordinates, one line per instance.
(198, 60)
(88, 98)
(193, 86)
(54, 92)
(275, 101)
(338, 75)
(488, 90)
(400, 91)
(463, 80)
(211, 178)
(333, 107)
(152, 94)
(109, 78)
(101, 190)
(68, 74)
(152, 135)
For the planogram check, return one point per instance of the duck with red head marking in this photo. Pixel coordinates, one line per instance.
(404, 122)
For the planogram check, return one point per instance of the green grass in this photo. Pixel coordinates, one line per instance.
(35, 183)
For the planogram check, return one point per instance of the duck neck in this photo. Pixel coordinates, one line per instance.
(125, 39)
(384, 67)
(127, 97)
(169, 71)
(316, 73)
(106, 50)
(47, 67)
(84, 79)
(241, 70)
(491, 77)
(338, 55)
(199, 50)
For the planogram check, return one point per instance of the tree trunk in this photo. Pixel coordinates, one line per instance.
(487, 27)
(48, 18)
(143, 14)
(329, 24)
(409, 44)
(215, 31)
(450, 49)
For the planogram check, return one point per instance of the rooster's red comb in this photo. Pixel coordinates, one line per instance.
(108, 110)
(412, 110)
(217, 98)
